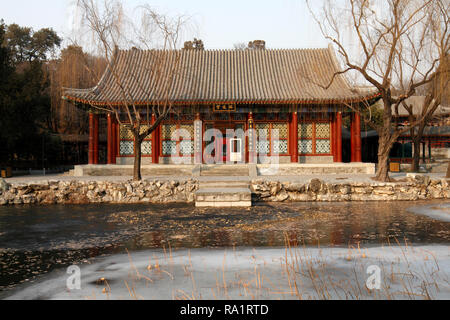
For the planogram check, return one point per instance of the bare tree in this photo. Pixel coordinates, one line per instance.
(435, 95)
(401, 44)
(156, 33)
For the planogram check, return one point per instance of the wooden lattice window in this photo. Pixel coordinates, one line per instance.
(126, 144)
(314, 138)
(177, 144)
(269, 144)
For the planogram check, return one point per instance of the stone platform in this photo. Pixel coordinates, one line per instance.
(240, 170)
(226, 185)
(127, 170)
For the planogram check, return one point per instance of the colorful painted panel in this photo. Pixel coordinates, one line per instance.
(240, 117)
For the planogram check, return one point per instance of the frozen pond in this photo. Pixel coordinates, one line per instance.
(37, 240)
(252, 274)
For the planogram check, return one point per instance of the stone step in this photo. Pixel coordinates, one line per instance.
(69, 173)
(224, 171)
(224, 184)
(223, 197)
(166, 172)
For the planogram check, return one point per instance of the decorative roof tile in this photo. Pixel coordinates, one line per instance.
(291, 76)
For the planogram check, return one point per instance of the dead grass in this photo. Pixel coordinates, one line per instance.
(303, 275)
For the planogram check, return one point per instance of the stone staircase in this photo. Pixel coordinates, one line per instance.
(224, 171)
(223, 193)
(69, 173)
(224, 186)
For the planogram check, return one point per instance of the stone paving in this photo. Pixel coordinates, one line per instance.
(331, 178)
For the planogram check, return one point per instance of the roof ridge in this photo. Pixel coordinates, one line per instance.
(225, 50)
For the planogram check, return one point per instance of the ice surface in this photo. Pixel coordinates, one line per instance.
(435, 211)
(407, 272)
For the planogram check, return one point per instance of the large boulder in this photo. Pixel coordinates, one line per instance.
(315, 185)
(4, 186)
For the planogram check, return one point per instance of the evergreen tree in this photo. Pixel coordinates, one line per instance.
(24, 96)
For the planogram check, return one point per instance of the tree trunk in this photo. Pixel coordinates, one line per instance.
(137, 159)
(448, 170)
(386, 142)
(417, 138)
(416, 155)
(383, 162)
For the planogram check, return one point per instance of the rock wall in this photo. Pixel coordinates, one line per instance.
(80, 192)
(417, 188)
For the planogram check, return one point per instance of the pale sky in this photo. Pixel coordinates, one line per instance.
(219, 23)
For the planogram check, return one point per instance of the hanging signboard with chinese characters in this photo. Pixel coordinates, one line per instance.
(224, 108)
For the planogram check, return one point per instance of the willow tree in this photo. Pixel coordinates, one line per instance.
(392, 45)
(74, 69)
(110, 29)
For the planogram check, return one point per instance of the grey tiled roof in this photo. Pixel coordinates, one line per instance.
(291, 76)
(417, 104)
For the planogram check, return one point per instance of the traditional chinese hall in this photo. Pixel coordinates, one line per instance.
(266, 90)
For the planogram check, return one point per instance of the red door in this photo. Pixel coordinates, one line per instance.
(223, 145)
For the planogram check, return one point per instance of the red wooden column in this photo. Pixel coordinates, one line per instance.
(91, 138)
(339, 137)
(358, 141)
(356, 138)
(116, 144)
(294, 137)
(96, 138)
(117, 139)
(334, 138)
(198, 140)
(155, 142)
(352, 138)
(110, 139)
(252, 156)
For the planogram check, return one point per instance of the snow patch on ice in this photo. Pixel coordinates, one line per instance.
(264, 273)
(435, 211)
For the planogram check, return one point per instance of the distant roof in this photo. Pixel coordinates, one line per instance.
(417, 104)
(291, 76)
(436, 131)
(428, 131)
